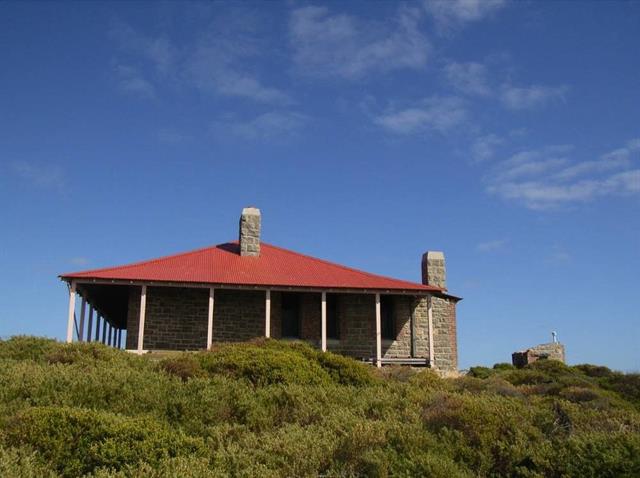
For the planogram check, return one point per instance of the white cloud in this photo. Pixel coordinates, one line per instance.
(159, 51)
(342, 45)
(225, 61)
(491, 246)
(532, 162)
(448, 13)
(215, 67)
(270, 125)
(131, 81)
(520, 98)
(44, 176)
(548, 178)
(434, 113)
(484, 147)
(222, 61)
(469, 78)
(616, 159)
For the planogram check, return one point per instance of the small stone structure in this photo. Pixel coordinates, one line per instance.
(434, 271)
(551, 351)
(250, 232)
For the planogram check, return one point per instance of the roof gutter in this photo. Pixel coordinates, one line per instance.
(283, 288)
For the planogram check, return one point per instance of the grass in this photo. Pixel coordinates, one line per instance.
(276, 409)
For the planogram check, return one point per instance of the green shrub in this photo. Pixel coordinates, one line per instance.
(21, 347)
(274, 408)
(397, 373)
(595, 455)
(180, 467)
(76, 441)
(23, 463)
(594, 370)
(480, 372)
(344, 370)
(580, 394)
(182, 366)
(341, 369)
(427, 379)
(263, 365)
(625, 385)
(503, 366)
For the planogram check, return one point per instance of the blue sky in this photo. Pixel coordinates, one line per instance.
(505, 133)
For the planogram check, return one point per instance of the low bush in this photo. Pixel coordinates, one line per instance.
(480, 372)
(626, 386)
(23, 463)
(503, 366)
(21, 347)
(182, 366)
(78, 441)
(263, 365)
(272, 408)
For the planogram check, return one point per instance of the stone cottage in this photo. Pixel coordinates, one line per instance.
(245, 289)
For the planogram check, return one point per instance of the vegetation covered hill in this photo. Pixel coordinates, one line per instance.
(275, 409)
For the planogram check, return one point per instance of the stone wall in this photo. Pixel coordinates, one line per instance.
(421, 317)
(357, 316)
(445, 344)
(176, 319)
(238, 315)
(552, 351)
(401, 346)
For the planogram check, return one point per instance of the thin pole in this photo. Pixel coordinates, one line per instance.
(97, 336)
(378, 334)
(104, 330)
(90, 324)
(83, 306)
(210, 318)
(143, 310)
(323, 326)
(72, 307)
(267, 314)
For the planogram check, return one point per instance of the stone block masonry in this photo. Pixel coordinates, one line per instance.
(434, 270)
(249, 236)
(176, 319)
(445, 348)
(551, 351)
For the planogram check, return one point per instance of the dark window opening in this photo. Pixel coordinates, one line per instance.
(290, 316)
(388, 318)
(333, 320)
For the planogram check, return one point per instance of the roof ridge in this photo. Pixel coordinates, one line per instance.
(353, 269)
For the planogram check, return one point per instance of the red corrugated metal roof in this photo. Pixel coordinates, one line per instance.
(222, 264)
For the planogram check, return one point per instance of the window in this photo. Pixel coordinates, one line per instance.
(333, 320)
(388, 318)
(290, 316)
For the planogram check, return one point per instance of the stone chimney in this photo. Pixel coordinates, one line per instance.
(434, 271)
(250, 232)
